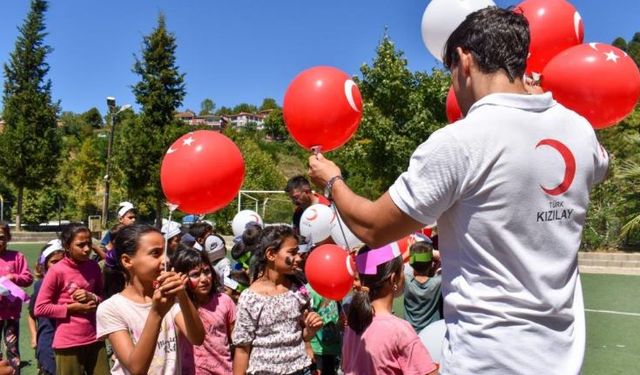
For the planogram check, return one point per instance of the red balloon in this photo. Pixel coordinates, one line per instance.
(453, 109)
(598, 81)
(322, 107)
(329, 269)
(554, 25)
(202, 172)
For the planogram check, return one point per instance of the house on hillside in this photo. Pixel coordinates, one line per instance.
(238, 120)
(190, 118)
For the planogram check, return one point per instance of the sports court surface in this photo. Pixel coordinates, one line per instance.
(612, 305)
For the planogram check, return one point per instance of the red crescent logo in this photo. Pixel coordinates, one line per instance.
(313, 216)
(569, 162)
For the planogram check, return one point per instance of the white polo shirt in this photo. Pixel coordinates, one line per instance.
(509, 186)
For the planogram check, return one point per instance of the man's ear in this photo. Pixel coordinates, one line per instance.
(465, 60)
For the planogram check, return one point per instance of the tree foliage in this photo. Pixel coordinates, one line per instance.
(274, 125)
(207, 107)
(144, 140)
(30, 140)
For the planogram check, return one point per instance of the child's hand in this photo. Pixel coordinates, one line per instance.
(82, 296)
(82, 308)
(6, 369)
(312, 321)
(170, 285)
(33, 343)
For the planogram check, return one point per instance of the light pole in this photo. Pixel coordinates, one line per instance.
(114, 111)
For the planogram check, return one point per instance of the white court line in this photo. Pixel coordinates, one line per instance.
(613, 312)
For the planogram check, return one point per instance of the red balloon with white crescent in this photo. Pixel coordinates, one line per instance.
(554, 25)
(569, 166)
(202, 172)
(453, 109)
(322, 107)
(330, 271)
(598, 81)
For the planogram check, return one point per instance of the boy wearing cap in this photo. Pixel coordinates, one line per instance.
(126, 216)
(173, 234)
(422, 294)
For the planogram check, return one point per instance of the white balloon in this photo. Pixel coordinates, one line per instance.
(316, 223)
(441, 17)
(344, 237)
(242, 218)
(432, 336)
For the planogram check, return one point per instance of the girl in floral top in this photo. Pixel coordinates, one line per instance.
(273, 319)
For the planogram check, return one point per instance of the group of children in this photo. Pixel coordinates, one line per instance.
(189, 310)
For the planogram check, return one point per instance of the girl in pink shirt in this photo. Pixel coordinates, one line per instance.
(376, 341)
(70, 292)
(14, 272)
(217, 311)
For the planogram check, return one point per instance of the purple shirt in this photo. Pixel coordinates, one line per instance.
(64, 278)
(13, 262)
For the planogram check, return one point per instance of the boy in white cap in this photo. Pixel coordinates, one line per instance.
(126, 216)
(173, 234)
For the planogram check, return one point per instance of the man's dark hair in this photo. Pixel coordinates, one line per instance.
(497, 38)
(297, 182)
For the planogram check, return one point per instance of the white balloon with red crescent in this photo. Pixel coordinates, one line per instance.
(316, 223)
(569, 163)
(242, 218)
(348, 92)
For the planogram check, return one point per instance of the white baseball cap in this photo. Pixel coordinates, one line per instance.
(124, 207)
(171, 229)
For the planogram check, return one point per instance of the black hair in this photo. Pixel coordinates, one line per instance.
(187, 259)
(297, 182)
(7, 230)
(249, 239)
(421, 247)
(125, 242)
(497, 38)
(361, 312)
(270, 237)
(70, 231)
(198, 229)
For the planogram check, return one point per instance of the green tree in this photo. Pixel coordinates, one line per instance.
(144, 140)
(93, 118)
(245, 107)
(274, 125)
(224, 111)
(30, 143)
(269, 103)
(207, 107)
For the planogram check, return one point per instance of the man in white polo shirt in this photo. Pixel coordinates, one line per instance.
(509, 186)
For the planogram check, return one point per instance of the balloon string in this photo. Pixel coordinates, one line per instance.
(344, 235)
(166, 242)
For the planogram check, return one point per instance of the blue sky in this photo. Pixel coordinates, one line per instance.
(241, 50)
